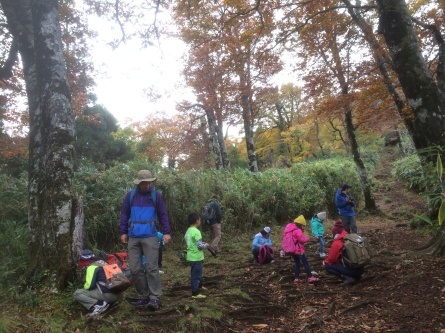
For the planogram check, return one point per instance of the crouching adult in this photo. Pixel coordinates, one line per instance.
(338, 265)
(94, 296)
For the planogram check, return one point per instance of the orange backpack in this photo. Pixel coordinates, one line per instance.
(116, 280)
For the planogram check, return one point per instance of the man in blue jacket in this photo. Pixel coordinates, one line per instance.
(345, 204)
(142, 210)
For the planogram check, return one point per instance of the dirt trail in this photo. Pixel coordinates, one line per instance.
(392, 196)
(396, 294)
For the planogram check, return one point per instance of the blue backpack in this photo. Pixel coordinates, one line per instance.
(143, 220)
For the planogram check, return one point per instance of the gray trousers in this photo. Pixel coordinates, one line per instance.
(90, 297)
(147, 282)
(215, 235)
(349, 223)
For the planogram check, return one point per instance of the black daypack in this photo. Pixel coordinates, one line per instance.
(209, 212)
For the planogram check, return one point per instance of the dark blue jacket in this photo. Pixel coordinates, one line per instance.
(344, 208)
(218, 214)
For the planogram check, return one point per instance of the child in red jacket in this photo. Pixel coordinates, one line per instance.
(299, 238)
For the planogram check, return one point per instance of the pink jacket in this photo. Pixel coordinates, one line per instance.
(298, 237)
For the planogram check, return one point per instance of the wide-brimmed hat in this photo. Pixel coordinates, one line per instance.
(300, 220)
(267, 229)
(144, 176)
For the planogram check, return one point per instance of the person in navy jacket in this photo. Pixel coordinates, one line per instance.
(345, 204)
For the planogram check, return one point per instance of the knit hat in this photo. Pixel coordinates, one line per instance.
(144, 176)
(338, 228)
(300, 220)
(322, 216)
(267, 229)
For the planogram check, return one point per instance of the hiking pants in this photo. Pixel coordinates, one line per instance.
(215, 235)
(322, 243)
(195, 276)
(256, 252)
(147, 282)
(340, 270)
(301, 258)
(90, 297)
(349, 223)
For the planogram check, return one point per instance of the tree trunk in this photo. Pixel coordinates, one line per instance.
(36, 28)
(222, 145)
(364, 179)
(211, 121)
(426, 99)
(248, 134)
(317, 132)
(350, 131)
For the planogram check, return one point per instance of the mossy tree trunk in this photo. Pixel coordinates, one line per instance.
(425, 96)
(35, 27)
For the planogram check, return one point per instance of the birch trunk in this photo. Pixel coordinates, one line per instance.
(35, 26)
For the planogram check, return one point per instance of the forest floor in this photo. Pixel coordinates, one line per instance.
(398, 292)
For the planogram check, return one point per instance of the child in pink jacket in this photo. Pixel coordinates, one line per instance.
(299, 256)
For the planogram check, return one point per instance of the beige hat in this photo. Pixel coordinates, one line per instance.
(144, 176)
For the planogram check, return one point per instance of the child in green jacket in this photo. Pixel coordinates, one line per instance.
(317, 227)
(195, 254)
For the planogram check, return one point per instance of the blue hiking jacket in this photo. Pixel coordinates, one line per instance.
(344, 208)
(259, 240)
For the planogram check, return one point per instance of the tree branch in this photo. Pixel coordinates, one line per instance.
(116, 7)
(6, 69)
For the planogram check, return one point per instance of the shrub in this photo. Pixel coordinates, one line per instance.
(247, 199)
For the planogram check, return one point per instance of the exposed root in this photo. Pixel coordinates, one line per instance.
(356, 306)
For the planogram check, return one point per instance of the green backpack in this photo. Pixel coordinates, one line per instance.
(358, 251)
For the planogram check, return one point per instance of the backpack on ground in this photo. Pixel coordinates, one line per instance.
(209, 212)
(288, 244)
(358, 251)
(265, 254)
(116, 280)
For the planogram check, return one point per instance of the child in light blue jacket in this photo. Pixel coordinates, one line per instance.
(261, 238)
(317, 227)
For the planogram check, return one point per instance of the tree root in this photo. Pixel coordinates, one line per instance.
(153, 319)
(356, 306)
(257, 307)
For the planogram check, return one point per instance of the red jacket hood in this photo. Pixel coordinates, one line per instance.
(342, 234)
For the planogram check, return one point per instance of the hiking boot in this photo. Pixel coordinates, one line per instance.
(313, 279)
(348, 280)
(154, 304)
(323, 255)
(141, 302)
(199, 296)
(99, 308)
(297, 281)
